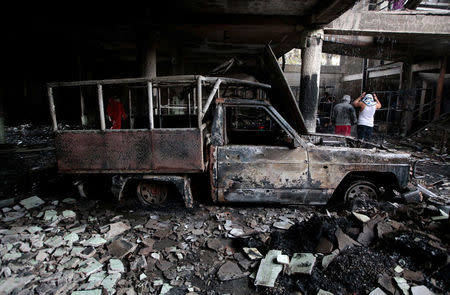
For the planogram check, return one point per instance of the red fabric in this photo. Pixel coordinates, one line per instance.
(116, 112)
(342, 129)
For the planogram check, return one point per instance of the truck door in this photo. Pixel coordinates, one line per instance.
(256, 164)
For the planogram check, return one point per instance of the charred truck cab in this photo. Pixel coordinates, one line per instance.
(267, 161)
(227, 130)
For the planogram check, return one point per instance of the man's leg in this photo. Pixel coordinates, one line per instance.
(369, 133)
(360, 131)
(348, 130)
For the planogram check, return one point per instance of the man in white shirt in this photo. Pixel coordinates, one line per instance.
(368, 103)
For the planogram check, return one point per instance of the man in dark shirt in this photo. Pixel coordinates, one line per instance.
(343, 116)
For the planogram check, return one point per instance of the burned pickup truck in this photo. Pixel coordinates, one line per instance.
(226, 130)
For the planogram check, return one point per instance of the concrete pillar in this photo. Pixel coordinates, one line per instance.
(407, 98)
(310, 76)
(365, 75)
(2, 121)
(422, 98)
(440, 88)
(149, 59)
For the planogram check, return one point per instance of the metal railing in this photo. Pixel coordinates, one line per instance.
(196, 82)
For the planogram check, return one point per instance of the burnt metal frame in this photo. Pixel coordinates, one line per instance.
(270, 110)
(159, 81)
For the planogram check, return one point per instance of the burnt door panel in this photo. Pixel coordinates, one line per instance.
(262, 174)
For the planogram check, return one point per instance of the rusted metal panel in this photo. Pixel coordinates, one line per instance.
(130, 151)
(331, 164)
(247, 173)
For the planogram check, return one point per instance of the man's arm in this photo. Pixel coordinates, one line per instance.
(333, 116)
(357, 102)
(378, 106)
(353, 116)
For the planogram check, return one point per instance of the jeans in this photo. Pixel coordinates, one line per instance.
(364, 132)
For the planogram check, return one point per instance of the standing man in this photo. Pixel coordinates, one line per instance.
(116, 112)
(368, 103)
(343, 116)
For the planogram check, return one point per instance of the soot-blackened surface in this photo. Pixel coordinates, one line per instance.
(358, 269)
(304, 237)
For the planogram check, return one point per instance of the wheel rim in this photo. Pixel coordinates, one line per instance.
(151, 193)
(361, 190)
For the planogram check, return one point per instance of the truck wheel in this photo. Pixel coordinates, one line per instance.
(152, 193)
(361, 189)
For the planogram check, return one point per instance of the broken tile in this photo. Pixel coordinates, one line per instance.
(323, 292)
(33, 229)
(120, 248)
(142, 276)
(420, 290)
(361, 217)
(302, 263)
(87, 252)
(31, 202)
(78, 230)
(165, 289)
(59, 252)
(385, 281)
(236, 232)
(327, 259)
(283, 225)
(344, 241)
(415, 276)
(95, 241)
(215, 244)
(115, 266)
(229, 271)
(116, 229)
(402, 285)
(11, 216)
(50, 215)
(25, 247)
(110, 282)
(71, 238)
(90, 266)
(283, 259)
(366, 236)
(377, 291)
(11, 256)
(88, 292)
(7, 286)
(54, 242)
(253, 253)
(69, 214)
(268, 270)
(42, 255)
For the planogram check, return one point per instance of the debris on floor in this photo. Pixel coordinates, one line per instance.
(57, 243)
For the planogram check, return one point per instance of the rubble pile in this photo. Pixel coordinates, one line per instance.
(28, 135)
(69, 246)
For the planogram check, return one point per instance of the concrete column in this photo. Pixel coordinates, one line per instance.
(310, 76)
(407, 97)
(365, 75)
(149, 59)
(422, 98)
(2, 121)
(439, 89)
